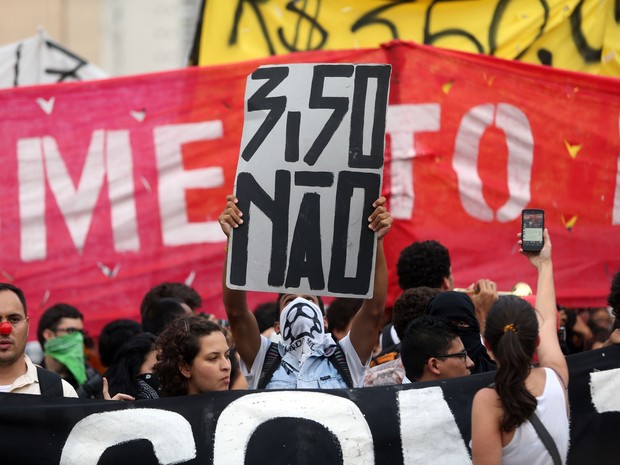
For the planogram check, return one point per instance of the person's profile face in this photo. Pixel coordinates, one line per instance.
(210, 369)
(12, 345)
(455, 362)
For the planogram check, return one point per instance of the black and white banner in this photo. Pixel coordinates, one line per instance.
(415, 424)
(310, 167)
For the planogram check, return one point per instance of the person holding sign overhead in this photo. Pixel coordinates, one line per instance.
(307, 357)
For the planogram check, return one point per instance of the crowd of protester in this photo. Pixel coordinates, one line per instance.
(435, 332)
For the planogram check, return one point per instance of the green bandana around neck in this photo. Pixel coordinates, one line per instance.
(69, 350)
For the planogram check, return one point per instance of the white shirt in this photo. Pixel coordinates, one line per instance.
(525, 446)
(28, 383)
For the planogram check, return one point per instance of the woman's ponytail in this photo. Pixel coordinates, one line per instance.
(512, 332)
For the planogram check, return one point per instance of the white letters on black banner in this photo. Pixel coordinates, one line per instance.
(411, 424)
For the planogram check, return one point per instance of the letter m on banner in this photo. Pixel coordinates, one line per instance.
(40, 159)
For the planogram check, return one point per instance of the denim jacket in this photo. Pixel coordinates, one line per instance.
(316, 372)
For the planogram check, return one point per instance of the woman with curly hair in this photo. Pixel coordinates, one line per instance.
(503, 415)
(193, 357)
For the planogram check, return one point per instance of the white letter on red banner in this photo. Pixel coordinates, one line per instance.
(77, 205)
(174, 180)
(403, 122)
(520, 144)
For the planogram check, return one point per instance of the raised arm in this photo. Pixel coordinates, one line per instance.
(483, 295)
(242, 322)
(365, 326)
(549, 352)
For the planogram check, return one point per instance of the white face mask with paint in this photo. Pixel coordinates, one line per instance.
(303, 331)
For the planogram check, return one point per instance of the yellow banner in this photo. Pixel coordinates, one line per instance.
(579, 35)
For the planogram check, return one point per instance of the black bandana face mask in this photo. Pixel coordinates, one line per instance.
(148, 386)
(459, 308)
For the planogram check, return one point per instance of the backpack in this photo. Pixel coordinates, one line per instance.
(389, 355)
(50, 383)
(390, 348)
(273, 358)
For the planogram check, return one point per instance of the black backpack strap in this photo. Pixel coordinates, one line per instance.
(273, 358)
(546, 439)
(339, 361)
(271, 363)
(50, 383)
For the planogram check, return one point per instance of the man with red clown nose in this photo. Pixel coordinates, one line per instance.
(307, 357)
(17, 373)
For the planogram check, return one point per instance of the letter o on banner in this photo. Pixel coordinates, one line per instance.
(91, 436)
(520, 144)
(339, 416)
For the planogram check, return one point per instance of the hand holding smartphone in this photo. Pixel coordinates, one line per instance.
(532, 227)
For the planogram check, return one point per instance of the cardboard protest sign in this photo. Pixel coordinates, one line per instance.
(310, 167)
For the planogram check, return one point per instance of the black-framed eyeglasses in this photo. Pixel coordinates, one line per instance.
(462, 355)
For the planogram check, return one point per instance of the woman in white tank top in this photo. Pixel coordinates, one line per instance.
(514, 331)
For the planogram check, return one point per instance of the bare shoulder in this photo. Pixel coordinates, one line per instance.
(486, 434)
(486, 395)
(486, 400)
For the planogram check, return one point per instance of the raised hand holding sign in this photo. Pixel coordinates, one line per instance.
(311, 166)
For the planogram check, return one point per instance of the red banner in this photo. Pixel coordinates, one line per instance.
(111, 187)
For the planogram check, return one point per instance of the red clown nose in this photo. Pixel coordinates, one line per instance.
(6, 328)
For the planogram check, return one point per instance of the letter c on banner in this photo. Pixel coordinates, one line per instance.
(339, 416)
(91, 436)
(520, 144)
